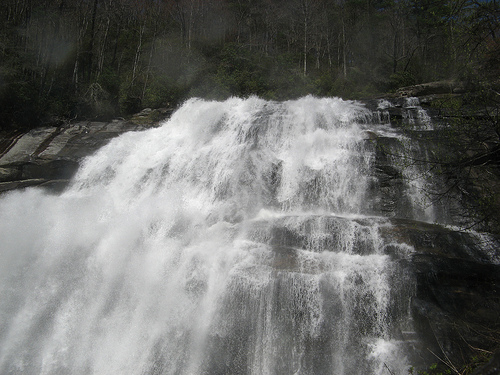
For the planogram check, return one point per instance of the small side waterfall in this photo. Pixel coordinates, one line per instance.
(241, 237)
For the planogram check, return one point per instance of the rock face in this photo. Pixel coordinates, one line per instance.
(50, 156)
(456, 303)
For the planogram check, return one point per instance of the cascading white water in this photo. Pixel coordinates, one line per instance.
(238, 238)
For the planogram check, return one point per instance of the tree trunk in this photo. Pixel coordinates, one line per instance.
(305, 12)
(91, 43)
(137, 55)
(100, 58)
(344, 47)
(148, 69)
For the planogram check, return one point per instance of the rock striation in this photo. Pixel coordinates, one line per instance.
(50, 156)
(457, 296)
(456, 277)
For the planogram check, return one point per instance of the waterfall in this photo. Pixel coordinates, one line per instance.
(240, 237)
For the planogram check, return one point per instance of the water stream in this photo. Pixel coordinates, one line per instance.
(240, 237)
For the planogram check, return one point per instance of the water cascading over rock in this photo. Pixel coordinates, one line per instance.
(241, 237)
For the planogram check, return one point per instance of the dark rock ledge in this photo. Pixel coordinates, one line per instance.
(50, 156)
(456, 302)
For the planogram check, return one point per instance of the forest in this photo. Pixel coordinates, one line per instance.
(98, 59)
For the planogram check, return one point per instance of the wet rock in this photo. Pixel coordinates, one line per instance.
(49, 169)
(457, 304)
(25, 147)
(50, 156)
(454, 275)
(13, 185)
(369, 135)
(9, 173)
(457, 287)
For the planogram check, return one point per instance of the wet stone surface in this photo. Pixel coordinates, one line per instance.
(50, 156)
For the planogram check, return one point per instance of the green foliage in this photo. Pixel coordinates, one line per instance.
(472, 137)
(129, 103)
(19, 105)
(401, 79)
(433, 369)
(162, 92)
(477, 360)
(240, 72)
(452, 102)
(96, 103)
(110, 82)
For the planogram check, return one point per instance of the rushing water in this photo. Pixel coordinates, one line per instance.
(241, 237)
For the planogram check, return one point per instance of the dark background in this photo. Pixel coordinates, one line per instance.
(98, 59)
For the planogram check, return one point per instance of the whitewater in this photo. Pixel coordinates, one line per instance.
(239, 237)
